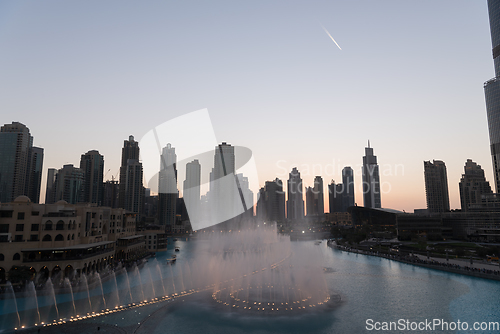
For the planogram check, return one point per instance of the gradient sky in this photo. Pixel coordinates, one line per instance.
(85, 75)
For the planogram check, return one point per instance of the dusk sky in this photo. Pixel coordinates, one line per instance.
(409, 77)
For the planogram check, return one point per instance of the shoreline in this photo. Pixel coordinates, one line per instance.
(429, 264)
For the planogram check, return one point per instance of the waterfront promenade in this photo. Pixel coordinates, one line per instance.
(457, 266)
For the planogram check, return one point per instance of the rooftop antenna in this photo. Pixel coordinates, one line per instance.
(368, 143)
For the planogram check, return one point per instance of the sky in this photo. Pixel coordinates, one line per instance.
(84, 75)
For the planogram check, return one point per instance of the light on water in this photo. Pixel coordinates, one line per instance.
(253, 280)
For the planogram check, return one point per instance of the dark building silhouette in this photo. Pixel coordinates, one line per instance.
(168, 194)
(20, 163)
(295, 202)
(271, 205)
(92, 164)
(371, 180)
(436, 186)
(473, 185)
(69, 184)
(131, 190)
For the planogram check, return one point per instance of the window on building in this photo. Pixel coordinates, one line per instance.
(2, 257)
(4, 228)
(19, 227)
(60, 225)
(4, 238)
(35, 227)
(35, 213)
(5, 213)
(47, 237)
(48, 226)
(16, 257)
(18, 238)
(20, 216)
(59, 237)
(34, 237)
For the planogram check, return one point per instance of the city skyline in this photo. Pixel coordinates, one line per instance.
(292, 74)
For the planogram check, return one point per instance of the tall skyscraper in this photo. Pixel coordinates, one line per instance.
(371, 180)
(167, 186)
(295, 202)
(35, 174)
(472, 185)
(92, 164)
(348, 188)
(131, 189)
(315, 198)
(245, 194)
(319, 198)
(69, 184)
(191, 191)
(492, 91)
(50, 191)
(335, 197)
(225, 202)
(18, 175)
(130, 151)
(272, 202)
(311, 210)
(436, 186)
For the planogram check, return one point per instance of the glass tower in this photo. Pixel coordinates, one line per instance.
(492, 91)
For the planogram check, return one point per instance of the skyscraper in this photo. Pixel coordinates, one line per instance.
(69, 184)
(167, 186)
(315, 198)
(18, 176)
(131, 190)
(335, 197)
(271, 205)
(295, 202)
(50, 190)
(436, 186)
(191, 191)
(92, 164)
(35, 174)
(472, 185)
(225, 202)
(371, 180)
(348, 188)
(130, 151)
(492, 91)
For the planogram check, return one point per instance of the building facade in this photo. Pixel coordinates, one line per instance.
(20, 163)
(92, 164)
(191, 190)
(473, 185)
(371, 180)
(295, 201)
(492, 91)
(436, 186)
(167, 185)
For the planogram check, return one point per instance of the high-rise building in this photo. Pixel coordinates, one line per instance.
(245, 194)
(348, 188)
(92, 164)
(35, 174)
(311, 210)
(18, 175)
(130, 151)
(50, 191)
(69, 184)
(110, 194)
(472, 185)
(335, 197)
(131, 189)
(436, 186)
(371, 180)
(167, 186)
(492, 91)
(191, 191)
(225, 202)
(295, 202)
(319, 198)
(272, 202)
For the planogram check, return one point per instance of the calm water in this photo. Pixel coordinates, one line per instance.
(371, 288)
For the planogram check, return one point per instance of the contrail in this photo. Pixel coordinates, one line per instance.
(331, 37)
